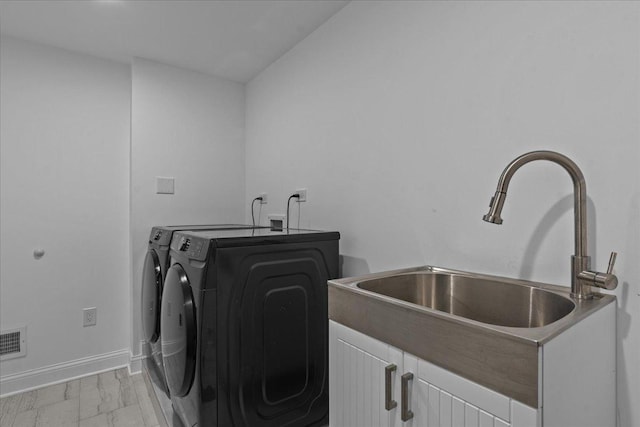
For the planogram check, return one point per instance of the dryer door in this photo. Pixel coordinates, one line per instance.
(151, 296)
(178, 324)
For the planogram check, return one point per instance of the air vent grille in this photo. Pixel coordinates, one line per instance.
(12, 343)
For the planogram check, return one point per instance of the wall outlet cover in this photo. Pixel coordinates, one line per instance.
(89, 316)
(302, 192)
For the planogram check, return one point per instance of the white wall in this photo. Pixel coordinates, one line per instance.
(74, 185)
(399, 117)
(189, 126)
(65, 189)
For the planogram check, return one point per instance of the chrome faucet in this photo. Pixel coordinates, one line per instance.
(582, 278)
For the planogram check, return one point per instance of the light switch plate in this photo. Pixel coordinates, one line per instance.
(164, 185)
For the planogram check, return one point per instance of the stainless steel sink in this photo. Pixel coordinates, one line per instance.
(485, 328)
(483, 300)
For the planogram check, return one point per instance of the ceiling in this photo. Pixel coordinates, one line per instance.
(231, 39)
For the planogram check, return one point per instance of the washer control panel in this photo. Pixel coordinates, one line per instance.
(160, 236)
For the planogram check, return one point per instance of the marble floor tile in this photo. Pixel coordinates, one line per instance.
(121, 381)
(72, 390)
(97, 421)
(88, 382)
(144, 401)
(127, 388)
(92, 403)
(28, 400)
(106, 392)
(110, 399)
(62, 414)
(9, 409)
(26, 419)
(48, 395)
(56, 393)
(160, 401)
(129, 416)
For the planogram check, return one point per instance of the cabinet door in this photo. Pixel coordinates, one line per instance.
(357, 366)
(436, 397)
(440, 398)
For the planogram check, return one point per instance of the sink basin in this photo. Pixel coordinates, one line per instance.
(488, 329)
(483, 300)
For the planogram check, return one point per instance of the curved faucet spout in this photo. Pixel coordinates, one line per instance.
(582, 278)
(579, 193)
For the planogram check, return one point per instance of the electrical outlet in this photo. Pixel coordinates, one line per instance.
(302, 192)
(89, 316)
(264, 198)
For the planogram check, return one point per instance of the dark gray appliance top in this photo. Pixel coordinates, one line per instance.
(230, 237)
(195, 244)
(161, 234)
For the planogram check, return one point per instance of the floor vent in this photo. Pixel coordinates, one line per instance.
(13, 343)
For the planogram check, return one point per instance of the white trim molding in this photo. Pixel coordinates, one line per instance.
(135, 361)
(62, 372)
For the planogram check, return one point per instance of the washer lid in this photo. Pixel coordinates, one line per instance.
(151, 296)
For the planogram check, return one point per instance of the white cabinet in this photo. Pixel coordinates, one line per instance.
(576, 383)
(358, 365)
(436, 397)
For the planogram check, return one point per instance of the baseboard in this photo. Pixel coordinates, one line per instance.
(135, 363)
(63, 372)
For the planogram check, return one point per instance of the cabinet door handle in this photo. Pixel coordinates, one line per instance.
(389, 403)
(406, 413)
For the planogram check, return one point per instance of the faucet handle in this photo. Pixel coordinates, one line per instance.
(612, 261)
(606, 280)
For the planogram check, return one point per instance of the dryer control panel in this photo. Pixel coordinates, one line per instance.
(190, 246)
